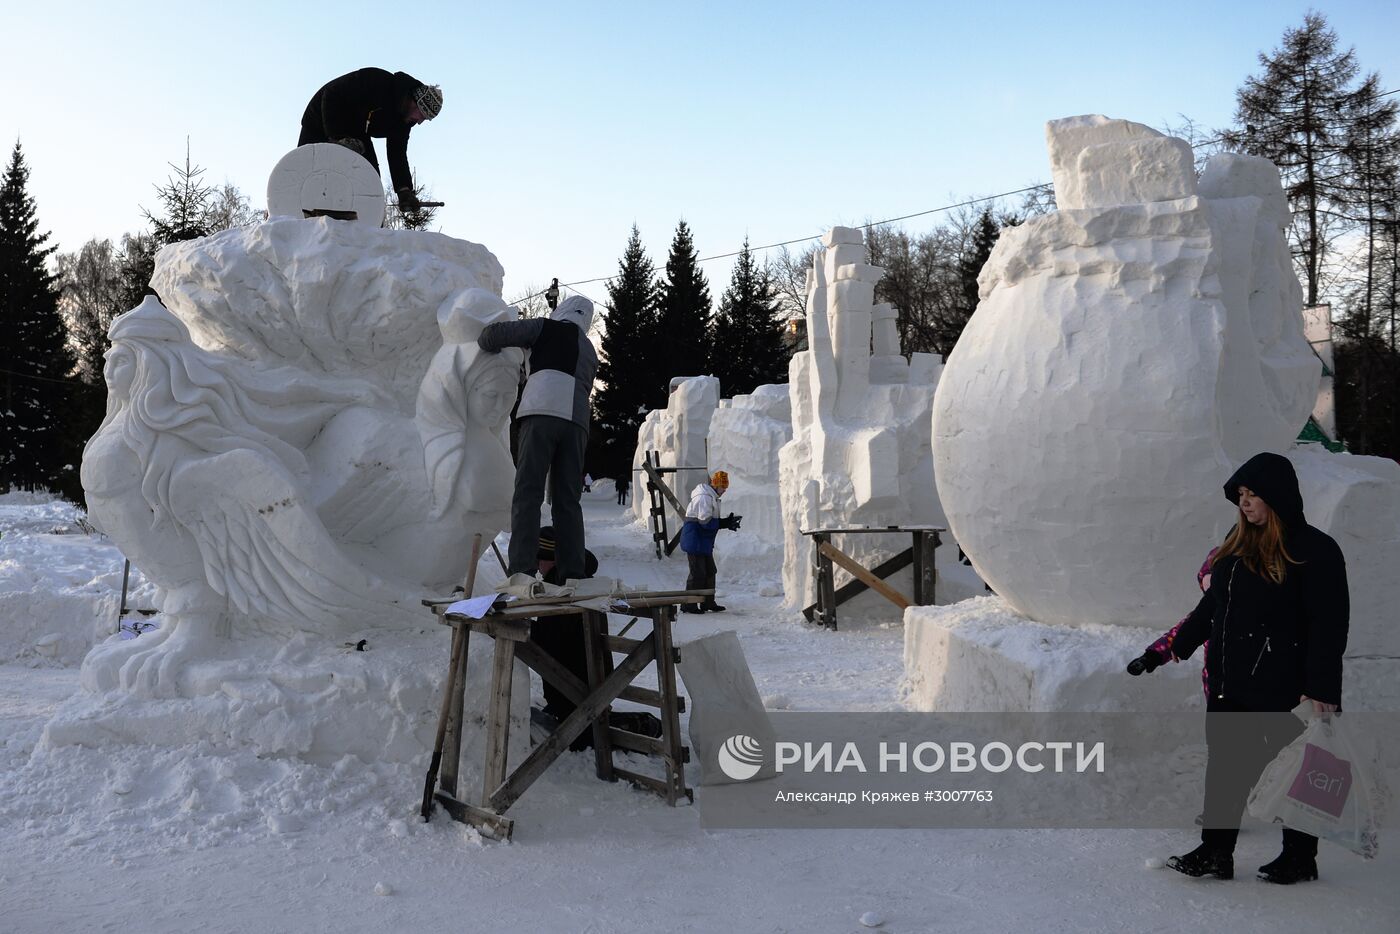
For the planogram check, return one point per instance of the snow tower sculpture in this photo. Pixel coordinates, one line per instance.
(859, 453)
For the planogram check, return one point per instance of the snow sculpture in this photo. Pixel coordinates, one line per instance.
(860, 453)
(678, 434)
(1129, 350)
(296, 453)
(746, 434)
(325, 178)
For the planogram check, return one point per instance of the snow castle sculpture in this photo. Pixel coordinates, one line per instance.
(300, 445)
(859, 453)
(1128, 351)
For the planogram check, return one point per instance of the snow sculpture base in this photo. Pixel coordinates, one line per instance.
(982, 656)
(325, 178)
(310, 698)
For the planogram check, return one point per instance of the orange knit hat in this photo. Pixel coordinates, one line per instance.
(720, 481)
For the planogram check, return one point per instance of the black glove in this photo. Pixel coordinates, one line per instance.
(731, 522)
(408, 201)
(354, 145)
(1147, 661)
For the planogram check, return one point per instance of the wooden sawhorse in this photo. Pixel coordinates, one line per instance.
(509, 627)
(829, 596)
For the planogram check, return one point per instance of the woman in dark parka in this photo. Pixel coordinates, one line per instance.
(1276, 619)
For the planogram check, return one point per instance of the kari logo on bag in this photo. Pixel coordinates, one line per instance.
(1323, 781)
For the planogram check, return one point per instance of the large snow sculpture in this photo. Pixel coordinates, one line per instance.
(746, 434)
(307, 445)
(1128, 351)
(860, 448)
(678, 435)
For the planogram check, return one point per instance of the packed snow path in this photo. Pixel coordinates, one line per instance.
(131, 840)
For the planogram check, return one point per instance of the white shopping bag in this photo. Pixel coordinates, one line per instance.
(1326, 783)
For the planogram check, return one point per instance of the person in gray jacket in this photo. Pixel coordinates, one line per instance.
(553, 423)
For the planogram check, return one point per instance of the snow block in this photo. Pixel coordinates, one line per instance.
(1136, 171)
(980, 655)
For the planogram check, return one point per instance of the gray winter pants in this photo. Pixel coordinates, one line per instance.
(550, 448)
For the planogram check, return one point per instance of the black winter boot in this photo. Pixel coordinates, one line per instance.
(1204, 860)
(710, 606)
(1289, 867)
(692, 608)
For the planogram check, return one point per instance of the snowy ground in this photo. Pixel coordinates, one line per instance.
(137, 840)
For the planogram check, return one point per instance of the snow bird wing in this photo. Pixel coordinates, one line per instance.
(268, 552)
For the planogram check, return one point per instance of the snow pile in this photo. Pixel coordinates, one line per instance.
(981, 655)
(1129, 350)
(60, 586)
(859, 454)
(746, 435)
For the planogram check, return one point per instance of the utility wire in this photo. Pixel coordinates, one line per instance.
(872, 224)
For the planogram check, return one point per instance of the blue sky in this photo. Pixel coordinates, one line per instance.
(565, 123)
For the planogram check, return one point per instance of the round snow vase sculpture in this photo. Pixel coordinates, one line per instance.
(1127, 352)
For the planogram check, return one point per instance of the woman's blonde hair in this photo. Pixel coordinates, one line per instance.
(1260, 547)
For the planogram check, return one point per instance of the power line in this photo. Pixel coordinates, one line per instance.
(872, 224)
(46, 379)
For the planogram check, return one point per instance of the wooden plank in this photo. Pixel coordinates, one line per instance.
(925, 570)
(595, 628)
(861, 573)
(590, 709)
(642, 696)
(646, 781)
(856, 586)
(490, 823)
(664, 489)
(670, 716)
(498, 719)
(636, 742)
(620, 644)
(551, 671)
(452, 748)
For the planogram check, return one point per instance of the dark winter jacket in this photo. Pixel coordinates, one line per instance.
(1272, 643)
(360, 105)
(562, 359)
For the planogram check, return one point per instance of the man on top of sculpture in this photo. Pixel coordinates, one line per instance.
(373, 102)
(553, 422)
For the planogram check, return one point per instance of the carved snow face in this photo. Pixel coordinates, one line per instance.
(119, 370)
(492, 395)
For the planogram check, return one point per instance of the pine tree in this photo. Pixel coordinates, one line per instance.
(35, 449)
(683, 317)
(748, 350)
(188, 204)
(1295, 113)
(974, 256)
(627, 370)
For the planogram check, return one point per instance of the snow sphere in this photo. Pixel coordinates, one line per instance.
(326, 177)
(1128, 352)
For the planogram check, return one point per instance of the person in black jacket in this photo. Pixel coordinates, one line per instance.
(368, 103)
(1276, 618)
(553, 419)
